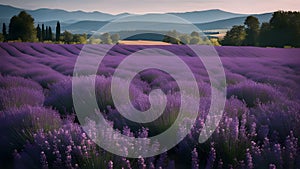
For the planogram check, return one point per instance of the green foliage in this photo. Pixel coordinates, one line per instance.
(252, 31)
(4, 32)
(1, 37)
(39, 33)
(184, 39)
(195, 40)
(80, 39)
(195, 34)
(265, 34)
(172, 37)
(115, 38)
(215, 42)
(93, 40)
(282, 30)
(22, 27)
(68, 37)
(43, 32)
(49, 34)
(285, 28)
(235, 36)
(57, 33)
(106, 39)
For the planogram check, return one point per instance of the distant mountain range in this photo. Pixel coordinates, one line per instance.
(88, 22)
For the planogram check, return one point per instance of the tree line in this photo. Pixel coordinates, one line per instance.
(282, 30)
(193, 38)
(21, 28)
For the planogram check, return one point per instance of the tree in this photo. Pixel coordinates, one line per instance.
(184, 39)
(195, 40)
(94, 40)
(195, 34)
(39, 33)
(68, 37)
(285, 29)
(81, 39)
(57, 33)
(43, 32)
(235, 36)
(106, 39)
(214, 41)
(252, 31)
(50, 34)
(172, 37)
(115, 38)
(47, 33)
(4, 32)
(22, 27)
(1, 37)
(265, 36)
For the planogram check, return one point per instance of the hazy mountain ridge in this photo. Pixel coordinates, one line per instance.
(228, 23)
(88, 22)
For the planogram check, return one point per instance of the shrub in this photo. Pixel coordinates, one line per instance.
(252, 93)
(70, 147)
(277, 119)
(67, 147)
(7, 82)
(19, 96)
(18, 125)
(60, 94)
(232, 78)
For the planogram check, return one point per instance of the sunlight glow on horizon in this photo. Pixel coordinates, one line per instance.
(158, 6)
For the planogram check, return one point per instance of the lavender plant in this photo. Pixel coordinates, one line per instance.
(18, 125)
(259, 128)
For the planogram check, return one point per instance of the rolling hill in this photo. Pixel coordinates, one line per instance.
(89, 22)
(91, 26)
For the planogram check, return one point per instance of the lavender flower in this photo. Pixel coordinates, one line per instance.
(195, 160)
(44, 160)
(110, 165)
(249, 160)
(20, 96)
(211, 158)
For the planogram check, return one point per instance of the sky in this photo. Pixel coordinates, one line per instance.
(159, 6)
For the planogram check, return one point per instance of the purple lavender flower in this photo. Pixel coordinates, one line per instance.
(44, 160)
(211, 158)
(110, 165)
(20, 96)
(253, 93)
(272, 166)
(195, 160)
(249, 160)
(19, 125)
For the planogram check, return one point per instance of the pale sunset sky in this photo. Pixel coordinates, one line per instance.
(158, 6)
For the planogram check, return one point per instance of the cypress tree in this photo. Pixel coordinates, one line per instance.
(43, 32)
(4, 32)
(50, 33)
(57, 35)
(39, 33)
(47, 33)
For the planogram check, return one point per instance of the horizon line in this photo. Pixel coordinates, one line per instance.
(125, 12)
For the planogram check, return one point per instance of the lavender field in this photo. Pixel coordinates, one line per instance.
(260, 127)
